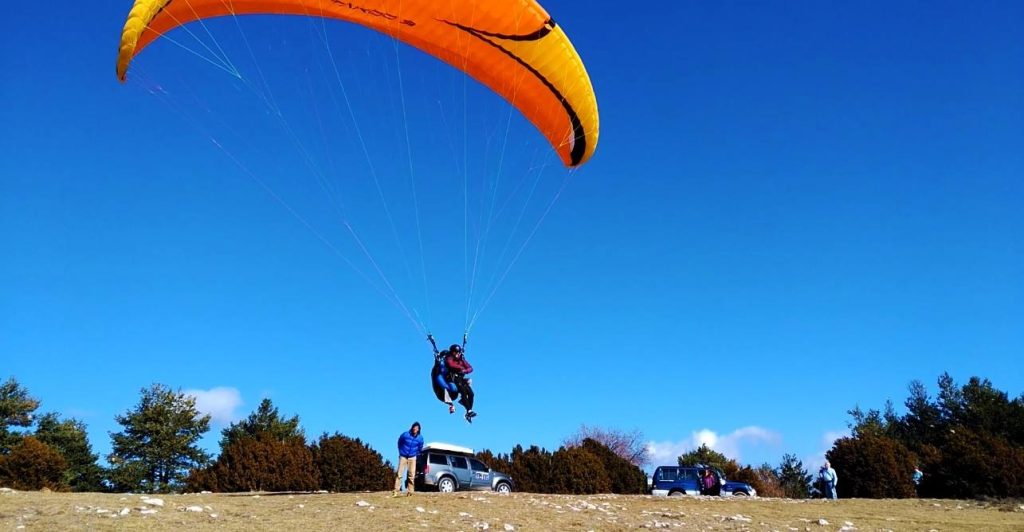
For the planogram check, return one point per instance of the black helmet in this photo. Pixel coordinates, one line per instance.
(455, 348)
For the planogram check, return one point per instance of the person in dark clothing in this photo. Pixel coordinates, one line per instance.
(458, 368)
(708, 483)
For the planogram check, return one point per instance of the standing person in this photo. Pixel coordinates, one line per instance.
(458, 368)
(410, 443)
(829, 480)
(707, 483)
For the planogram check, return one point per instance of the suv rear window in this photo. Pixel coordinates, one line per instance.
(459, 462)
(669, 474)
(438, 459)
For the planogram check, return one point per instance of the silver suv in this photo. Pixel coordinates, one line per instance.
(449, 468)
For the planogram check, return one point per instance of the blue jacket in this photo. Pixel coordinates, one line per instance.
(409, 446)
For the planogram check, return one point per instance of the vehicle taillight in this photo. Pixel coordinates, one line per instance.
(426, 469)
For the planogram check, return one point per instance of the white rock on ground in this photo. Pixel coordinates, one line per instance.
(464, 514)
(362, 504)
(822, 522)
(153, 501)
(509, 528)
(420, 509)
(6, 490)
(125, 511)
(192, 509)
(147, 511)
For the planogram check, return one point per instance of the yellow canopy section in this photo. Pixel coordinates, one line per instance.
(512, 46)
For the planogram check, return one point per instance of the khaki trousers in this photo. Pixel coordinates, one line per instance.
(409, 465)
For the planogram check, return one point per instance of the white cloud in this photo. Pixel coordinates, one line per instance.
(220, 403)
(831, 436)
(812, 463)
(731, 444)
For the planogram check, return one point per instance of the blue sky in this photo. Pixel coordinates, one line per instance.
(793, 209)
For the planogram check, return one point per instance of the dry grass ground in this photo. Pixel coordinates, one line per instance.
(477, 511)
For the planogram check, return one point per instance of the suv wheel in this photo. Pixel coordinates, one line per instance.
(676, 493)
(740, 494)
(446, 485)
(503, 487)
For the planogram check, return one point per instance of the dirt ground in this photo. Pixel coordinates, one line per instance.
(488, 511)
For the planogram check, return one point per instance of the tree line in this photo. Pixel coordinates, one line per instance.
(968, 440)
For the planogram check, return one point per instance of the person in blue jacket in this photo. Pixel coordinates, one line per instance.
(410, 443)
(445, 390)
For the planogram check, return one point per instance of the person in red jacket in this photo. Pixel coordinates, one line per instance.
(458, 369)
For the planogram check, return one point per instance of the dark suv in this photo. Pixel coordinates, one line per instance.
(685, 480)
(448, 468)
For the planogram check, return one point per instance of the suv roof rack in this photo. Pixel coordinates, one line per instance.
(447, 447)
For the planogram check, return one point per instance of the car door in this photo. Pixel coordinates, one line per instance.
(689, 479)
(481, 475)
(460, 467)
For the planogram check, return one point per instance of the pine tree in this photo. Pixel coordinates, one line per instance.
(159, 442)
(16, 407)
(576, 470)
(624, 476)
(260, 463)
(348, 464)
(794, 479)
(531, 469)
(872, 466)
(69, 438)
(265, 421)
(705, 456)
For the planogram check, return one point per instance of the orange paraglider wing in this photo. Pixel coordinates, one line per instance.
(512, 46)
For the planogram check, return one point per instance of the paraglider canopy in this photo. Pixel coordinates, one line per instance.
(515, 48)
